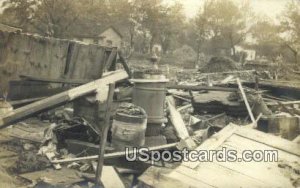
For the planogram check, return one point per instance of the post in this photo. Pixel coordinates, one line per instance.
(256, 82)
(246, 101)
(104, 127)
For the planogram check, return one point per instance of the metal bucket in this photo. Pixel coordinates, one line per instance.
(150, 95)
(128, 130)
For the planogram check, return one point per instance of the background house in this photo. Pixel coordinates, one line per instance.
(251, 54)
(109, 36)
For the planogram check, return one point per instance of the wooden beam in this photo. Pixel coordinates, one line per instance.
(25, 101)
(199, 88)
(229, 72)
(111, 59)
(184, 107)
(58, 99)
(245, 100)
(60, 80)
(105, 129)
(54, 80)
(115, 154)
(124, 63)
(177, 121)
(282, 103)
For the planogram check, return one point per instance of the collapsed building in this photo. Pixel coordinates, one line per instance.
(69, 111)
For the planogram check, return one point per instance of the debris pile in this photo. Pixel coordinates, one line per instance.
(83, 133)
(220, 64)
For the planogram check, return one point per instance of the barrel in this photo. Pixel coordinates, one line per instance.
(150, 94)
(128, 130)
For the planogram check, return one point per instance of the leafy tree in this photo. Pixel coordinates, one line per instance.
(18, 12)
(222, 21)
(267, 38)
(55, 17)
(290, 26)
(162, 23)
(47, 17)
(153, 21)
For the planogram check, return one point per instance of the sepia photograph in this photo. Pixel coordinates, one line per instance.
(149, 93)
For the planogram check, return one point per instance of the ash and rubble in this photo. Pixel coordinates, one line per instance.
(55, 140)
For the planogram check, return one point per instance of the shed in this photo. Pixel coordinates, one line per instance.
(109, 36)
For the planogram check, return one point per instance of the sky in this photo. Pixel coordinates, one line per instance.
(270, 8)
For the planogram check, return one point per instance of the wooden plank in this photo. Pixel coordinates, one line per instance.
(111, 59)
(199, 88)
(51, 156)
(158, 177)
(282, 103)
(184, 107)
(124, 63)
(215, 175)
(54, 80)
(297, 140)
(177, 121)
(269, 140)
(213, 142)
(229, 72)
(267, 172)
(24, 101)
(105, 129)
(110, 178)
(63, 177)
(59, 99)
(87, 62)
(182, 98)
(240, 144)
(246, 101)
(115, 154)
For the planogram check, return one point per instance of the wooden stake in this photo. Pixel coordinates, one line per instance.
(245, 100)
(124, 63)
(111, 59)
(105, 129)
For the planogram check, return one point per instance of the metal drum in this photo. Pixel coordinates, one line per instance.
(150, 94)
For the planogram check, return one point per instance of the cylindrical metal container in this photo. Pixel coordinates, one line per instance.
(128, 130)
(150, 94)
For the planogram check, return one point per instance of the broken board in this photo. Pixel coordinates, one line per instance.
(240, 173)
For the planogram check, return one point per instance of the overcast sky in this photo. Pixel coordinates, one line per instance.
(269, 8)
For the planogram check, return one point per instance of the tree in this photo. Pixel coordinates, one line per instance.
(223, 21)
(56, 18)
(162, 22)
(18, 12)
(290, 26)
(267, 38)
(126, 15)
(151, 20)
(171, 27)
